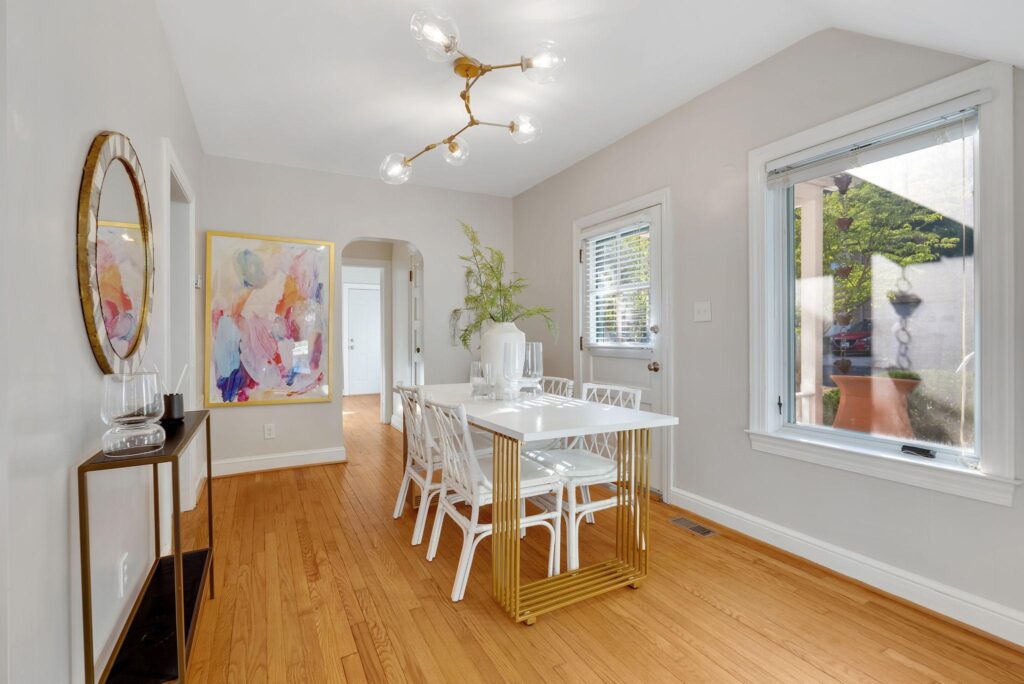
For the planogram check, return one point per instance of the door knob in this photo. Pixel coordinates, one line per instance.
(654, 366)
(655, 328)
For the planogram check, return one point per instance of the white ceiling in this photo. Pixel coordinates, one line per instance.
(336, 85)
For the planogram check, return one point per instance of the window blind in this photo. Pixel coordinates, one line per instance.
(617, 287)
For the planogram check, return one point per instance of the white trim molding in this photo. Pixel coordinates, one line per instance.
(286, 459)
(978, 612)
(989, 87)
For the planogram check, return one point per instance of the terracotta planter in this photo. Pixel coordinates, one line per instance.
(874, 404)
(843, 223)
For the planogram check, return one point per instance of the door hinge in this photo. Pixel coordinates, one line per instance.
(581, 256)
(780, 405)
(410, 276)
(581, 342)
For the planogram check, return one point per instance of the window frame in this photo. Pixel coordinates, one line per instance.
(595, 233)
(990, 87)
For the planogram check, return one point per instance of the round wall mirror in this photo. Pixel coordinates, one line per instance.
(115, 253)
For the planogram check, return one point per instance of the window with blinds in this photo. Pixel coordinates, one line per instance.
(617, 287)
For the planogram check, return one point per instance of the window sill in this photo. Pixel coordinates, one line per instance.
(939, 477)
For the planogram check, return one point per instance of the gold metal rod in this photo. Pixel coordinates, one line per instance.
(83, 540)
(492, 67)
(491, 123)
(156, 506)
(209, 496)
(179, 574)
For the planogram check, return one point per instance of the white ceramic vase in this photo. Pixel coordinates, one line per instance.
(492, 349)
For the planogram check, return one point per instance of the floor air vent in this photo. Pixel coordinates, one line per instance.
(694, 527)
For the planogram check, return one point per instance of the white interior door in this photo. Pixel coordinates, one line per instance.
(363, 339)
(619, 292)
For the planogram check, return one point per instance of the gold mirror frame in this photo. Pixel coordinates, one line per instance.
(109, 147)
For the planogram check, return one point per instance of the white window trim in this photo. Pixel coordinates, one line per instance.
(994, 269)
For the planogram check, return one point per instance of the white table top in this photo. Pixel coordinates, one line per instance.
(545, 416)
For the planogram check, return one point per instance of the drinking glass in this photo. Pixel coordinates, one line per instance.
(481, 377)
(512, 368)
(132, 405)
(533, 367)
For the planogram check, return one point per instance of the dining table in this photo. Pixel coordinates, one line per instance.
(542, 417)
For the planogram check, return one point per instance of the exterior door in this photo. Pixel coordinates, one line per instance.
(363, 342)
(619, 291)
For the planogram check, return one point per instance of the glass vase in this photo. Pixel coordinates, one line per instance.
(132, 405)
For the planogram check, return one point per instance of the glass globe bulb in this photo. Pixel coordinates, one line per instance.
(525, 128)
(436, 33)
(456, 152)
(544, 63)
(394, 170)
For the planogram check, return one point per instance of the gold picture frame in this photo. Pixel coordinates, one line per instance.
(215, 279)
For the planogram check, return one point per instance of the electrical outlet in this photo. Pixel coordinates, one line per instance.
(122, 576)
(701, 312)
(269, 431)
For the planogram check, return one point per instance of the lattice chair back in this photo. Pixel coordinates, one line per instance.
(562, 387)
(460, 470)
(606, 443)
(417, 427)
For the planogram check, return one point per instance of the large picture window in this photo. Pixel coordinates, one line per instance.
(881, 259)
(882, 288)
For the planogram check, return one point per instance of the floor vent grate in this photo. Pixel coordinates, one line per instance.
(694, 527)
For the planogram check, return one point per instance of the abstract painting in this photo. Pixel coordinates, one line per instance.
(268, 319)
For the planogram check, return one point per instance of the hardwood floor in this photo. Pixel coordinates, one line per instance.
(317, 583)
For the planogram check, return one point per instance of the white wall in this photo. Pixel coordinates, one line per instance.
(699, 151)
(261, 198)
(6, 285)
(73, 69)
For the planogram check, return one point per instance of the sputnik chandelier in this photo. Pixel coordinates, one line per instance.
(439, 37)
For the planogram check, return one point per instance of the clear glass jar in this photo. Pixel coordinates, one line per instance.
(132, 405)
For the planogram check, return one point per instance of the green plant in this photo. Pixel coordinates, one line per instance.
(489, 295)
(897, 374)
(829, 406)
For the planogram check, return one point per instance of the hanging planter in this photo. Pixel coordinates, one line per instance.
(844, 273)
(904, 303)
(842, 182)
(844, 318)
(842, 365)
(843, 223)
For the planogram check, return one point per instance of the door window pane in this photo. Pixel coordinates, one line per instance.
(617, 287)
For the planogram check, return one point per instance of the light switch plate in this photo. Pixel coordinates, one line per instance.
(701, 312)
(269, 431)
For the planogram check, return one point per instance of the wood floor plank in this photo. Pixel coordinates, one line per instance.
(316, 582)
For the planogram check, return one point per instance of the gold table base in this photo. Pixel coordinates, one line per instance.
(523, 603)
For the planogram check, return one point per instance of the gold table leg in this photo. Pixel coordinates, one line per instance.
(524, 603)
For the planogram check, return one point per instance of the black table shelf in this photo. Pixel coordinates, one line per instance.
(155, 641)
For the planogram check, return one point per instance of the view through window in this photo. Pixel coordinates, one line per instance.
(882, 275)
(617, 287)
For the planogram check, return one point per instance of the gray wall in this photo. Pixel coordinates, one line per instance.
(275, 200)
(73, 69)
(700, 152)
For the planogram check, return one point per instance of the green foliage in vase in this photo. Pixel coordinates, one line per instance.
(490, 296)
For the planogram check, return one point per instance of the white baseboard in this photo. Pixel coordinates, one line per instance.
(396, 421)
(981, 613)
(288, 459)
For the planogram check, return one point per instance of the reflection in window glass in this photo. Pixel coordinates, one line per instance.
(882, 266)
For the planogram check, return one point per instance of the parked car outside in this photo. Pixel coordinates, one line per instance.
(853, 339)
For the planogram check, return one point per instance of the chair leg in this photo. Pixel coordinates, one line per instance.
(555, 563)
(466, 557)
(435, 534)
(402, 492)
(585, 497)
(421, 517)
(571, 531)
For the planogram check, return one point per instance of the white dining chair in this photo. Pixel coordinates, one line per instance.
(588, 460)
(562, 387)
(466, 479)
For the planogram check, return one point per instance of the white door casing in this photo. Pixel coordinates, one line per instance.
(633, 366)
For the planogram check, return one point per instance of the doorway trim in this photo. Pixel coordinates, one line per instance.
(657, 200)
(386, 315)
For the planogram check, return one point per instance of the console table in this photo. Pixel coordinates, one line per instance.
(156, 640)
